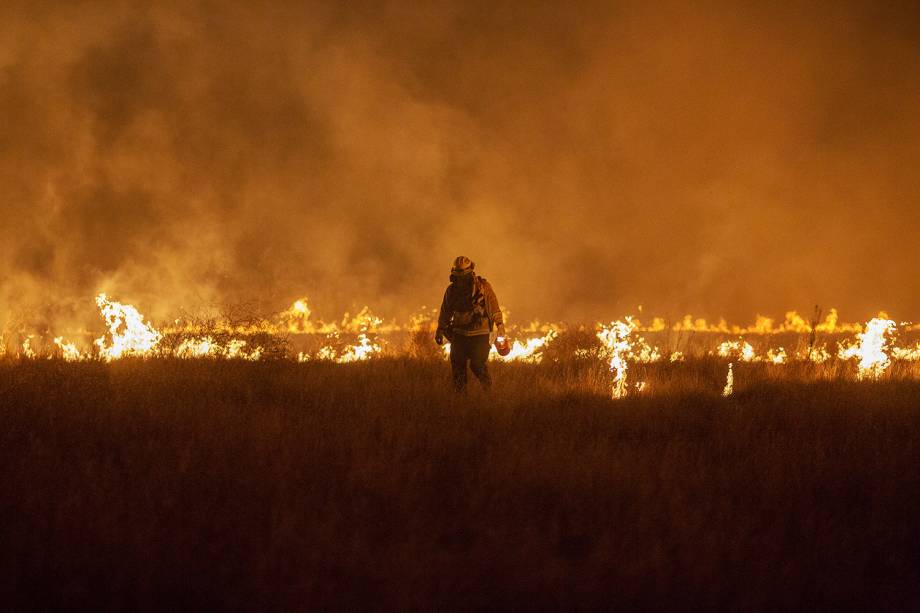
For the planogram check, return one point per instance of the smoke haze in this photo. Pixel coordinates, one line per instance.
(724, 159)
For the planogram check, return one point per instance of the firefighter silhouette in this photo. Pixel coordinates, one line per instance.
(469, 315)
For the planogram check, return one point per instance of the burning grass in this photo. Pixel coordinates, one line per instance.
(167, 483)
(243, 334)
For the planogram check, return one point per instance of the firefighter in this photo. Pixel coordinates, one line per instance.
(469, 315)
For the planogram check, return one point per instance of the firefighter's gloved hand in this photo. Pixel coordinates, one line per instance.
(439, 337)
(501, 330)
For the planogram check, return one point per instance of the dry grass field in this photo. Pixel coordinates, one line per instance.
(201, 484)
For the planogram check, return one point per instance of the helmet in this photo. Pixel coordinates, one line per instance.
(502, 346)
(462, 265)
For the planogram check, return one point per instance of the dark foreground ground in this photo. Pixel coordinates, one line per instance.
(201, 485)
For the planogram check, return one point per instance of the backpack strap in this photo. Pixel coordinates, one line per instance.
(479, 297)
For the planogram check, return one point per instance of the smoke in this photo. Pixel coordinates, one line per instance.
(717, 158)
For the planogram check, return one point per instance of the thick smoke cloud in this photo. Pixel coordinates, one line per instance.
(724, 159)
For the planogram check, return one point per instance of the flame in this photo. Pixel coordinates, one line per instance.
(423, 319)
(27, 351)
(729, 382)
(744, 352)
(297, 318)
(819, 354)
(301, 309)
(763, 325)
(363, 350)
(907, 354)
(615, 341)
(364, 321)
(69, 351)
(129, 334)
(207, 347)
(530, 350)
(870, 349)
(740, 348)
(777, 356)
(326, 353)
(688, 324)
(792, 323)
(196, 348)
(830, 322)
(234, 350)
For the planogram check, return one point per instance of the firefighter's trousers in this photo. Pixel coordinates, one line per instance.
(473, 350)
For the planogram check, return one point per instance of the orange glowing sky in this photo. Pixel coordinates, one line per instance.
(719, 158)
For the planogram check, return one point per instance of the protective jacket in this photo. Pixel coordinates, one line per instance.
(469, 308)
